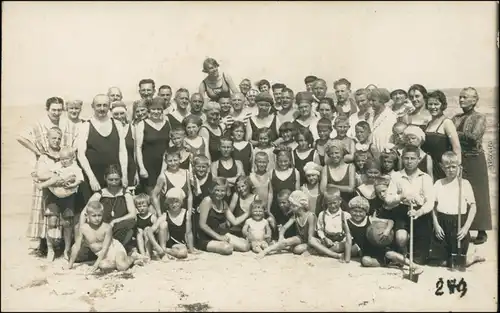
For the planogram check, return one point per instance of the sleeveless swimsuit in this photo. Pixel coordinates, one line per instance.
(154, 146)
(213, 93)
(177, 233)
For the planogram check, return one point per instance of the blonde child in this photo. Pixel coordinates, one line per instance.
(264, 144)
(201, 183)
(341, 126)
(305, 223)
(445, 214)
(173, 227)
(145, 219)
(241, 201)
(357, 226)
(257, 229)
(285, 176)
(304, 152)
(312, 173)
(331, 225)
(337, 172)
(414, 136)
(61, 197)
(177, 143)
(261, 179)
(194, 143)
(98, 237)
(243, 150)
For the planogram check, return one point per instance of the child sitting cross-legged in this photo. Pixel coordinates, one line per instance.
(257, 229)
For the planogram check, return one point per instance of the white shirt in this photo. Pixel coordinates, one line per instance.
(446, 196)
(382, 128)
(330, 222)
(353, 120)
(418, 184)
(45, 163)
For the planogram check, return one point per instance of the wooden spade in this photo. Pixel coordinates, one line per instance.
(459, 260)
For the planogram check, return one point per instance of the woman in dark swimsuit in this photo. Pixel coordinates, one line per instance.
(440, 134)
(471, 126)
(420, 116)
(305, 118)
(152, 137)
(213, 230)
(263, 119)
(215, 82)
(101, 144)
(285, 176)
(119, 111)
(119, 208)
(211, 130)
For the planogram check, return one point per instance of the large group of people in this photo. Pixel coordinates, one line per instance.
(236, 168)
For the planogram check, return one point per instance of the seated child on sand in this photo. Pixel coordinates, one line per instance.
(257, 229)
(98, 237)
(445, 214)
(373, 255)
(305, 222)
(145, 220)
(62, 180)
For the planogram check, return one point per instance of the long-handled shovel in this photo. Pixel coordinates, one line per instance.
(411, 275)
(458, 260)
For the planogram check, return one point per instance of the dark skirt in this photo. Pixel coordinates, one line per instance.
(475, 171)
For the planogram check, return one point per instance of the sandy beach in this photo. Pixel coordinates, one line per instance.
(209, 282)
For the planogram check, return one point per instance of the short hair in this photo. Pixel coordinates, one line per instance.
(359, 153)
(448, 157)
(330, 193)
(55, 129)
(197, 94)
(95, 206)
(359, 202)
(210, 106)
(284, 192)
(261, 154)
(147, 81)
(218, 182)
(177, 130)
(360, 92)
(373, 164)
(364, 125)
(328, 101)
(303, 131)
(224, 94)
(310, 79)
(246, 180)
(476, 94)
(440, 96)
(381, 94)
(201, 159)
(288, 90)
(319, 81)
(181, 90)
(324, 122)
(172, 151)
(142, 197)
(67, 150)
(165, 87)
(226, 137)
(264, 130)
(287, 126)
(263, 82)
(113, 169)
(383, 180)
(53, 100)
(256, 202)
(398, 124)
(192, 119)
(342, 81)
(341, 119)
(420, 88)
(236, 125)
(209, 62)
(409, 149)
(278, 86)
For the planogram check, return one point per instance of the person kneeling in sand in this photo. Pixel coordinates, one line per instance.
(372, 255)
(98, 236)
(257, 229)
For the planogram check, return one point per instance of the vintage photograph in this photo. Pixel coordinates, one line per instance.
(249, 156)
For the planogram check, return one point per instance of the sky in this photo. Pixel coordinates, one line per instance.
(79, 49)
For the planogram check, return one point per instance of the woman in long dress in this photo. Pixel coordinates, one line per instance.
(440, 134)
(215, 82)
(35, 140)
(471, 126)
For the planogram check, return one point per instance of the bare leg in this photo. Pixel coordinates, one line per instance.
(153, 243)
(68, 233)
(300, 249)
(400, 259)
(402, 237)
(148, 245)
(140, 241)
(220, 247)
(239, 244)
(286, 243)
(52, 222)
(258, 246)
(367, 261)
(316, 245)
(178, 251)
(163, 235)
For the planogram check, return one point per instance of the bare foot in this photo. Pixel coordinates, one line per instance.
(260, 255)
(139, 262)
(50, 255)
(475, 259)
(167, 257)
(417, 270)
(66, 255)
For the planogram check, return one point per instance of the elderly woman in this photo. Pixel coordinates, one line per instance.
(35, 139)
(215, 82)
(211, 130)
(471, 126)
(152, 136)
(263, 119)
(119, 113)
(214, 233)
(382, 118)
(100, 144)
(441, 134)
(420, 116)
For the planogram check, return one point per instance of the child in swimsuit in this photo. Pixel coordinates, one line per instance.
(305, 222)
(261, 180)
(173, 228)
(360, 158)
(265, 145)
(257, 229)
(341, 126)
(194, 143)
(98, 236)
(243, 149)
(312, 172)
(287, 132)
(331, 225)
(357, 226)
(145, 219)
(227, 167)
(325, 130)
